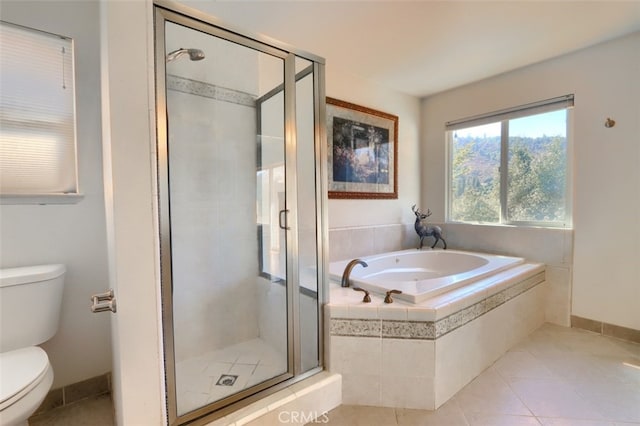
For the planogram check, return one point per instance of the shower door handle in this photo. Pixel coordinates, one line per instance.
(283, 219)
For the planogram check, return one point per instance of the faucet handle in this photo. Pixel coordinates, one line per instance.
(367, 298)
(388, 298)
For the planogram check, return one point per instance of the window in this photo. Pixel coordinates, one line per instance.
(511, 166)
(37, 115)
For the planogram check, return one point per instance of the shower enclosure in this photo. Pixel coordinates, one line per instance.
(240, 178)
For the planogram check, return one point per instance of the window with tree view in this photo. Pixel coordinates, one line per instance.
(512, 166)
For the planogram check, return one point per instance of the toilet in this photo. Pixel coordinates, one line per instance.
(30, 302)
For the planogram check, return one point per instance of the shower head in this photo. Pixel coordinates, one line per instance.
(194, 54)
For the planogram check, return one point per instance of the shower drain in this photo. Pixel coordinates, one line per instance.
(226, 380)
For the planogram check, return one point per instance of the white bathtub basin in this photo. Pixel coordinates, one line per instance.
(422, 274)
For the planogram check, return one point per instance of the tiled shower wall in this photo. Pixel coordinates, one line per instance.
(553, 247)
(205, 188)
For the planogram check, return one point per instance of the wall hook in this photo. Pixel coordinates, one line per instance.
(609, 123)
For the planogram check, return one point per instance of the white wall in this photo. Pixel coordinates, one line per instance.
(604, 79)
(128, 114)
(354, 213)
(69, 234)
(355, 89)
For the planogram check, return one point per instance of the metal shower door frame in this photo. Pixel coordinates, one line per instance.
(166, 11)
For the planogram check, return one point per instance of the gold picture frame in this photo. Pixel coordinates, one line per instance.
(362, 151)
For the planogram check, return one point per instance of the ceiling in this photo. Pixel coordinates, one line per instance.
(425, 47)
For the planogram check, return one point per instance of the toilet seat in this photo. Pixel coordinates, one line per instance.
(22, 370)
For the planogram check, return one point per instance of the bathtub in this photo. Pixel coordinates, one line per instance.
(422, 274)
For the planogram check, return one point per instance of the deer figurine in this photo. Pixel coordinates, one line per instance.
(425, 230)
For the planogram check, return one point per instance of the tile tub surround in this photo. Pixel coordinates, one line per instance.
(418, 356)
(554, 376)
(352, 242)
(551, 246)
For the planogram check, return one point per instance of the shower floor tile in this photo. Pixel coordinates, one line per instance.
(253, 362)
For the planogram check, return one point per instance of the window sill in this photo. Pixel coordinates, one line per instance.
(521, 225)
(16, 199)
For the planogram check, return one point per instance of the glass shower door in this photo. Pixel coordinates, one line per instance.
(228, 219)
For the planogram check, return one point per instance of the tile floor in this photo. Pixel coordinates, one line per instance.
(557, 376)
(207, 378)
(97, 411)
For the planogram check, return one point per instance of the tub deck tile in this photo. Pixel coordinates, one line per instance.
(420, 330)
(355, 327)
(389, 326)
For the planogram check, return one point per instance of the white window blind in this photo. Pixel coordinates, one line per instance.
(37, 113)
(553, 104)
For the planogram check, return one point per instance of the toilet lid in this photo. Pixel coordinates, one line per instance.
(19, 369)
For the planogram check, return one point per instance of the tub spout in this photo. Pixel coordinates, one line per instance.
(347, 270)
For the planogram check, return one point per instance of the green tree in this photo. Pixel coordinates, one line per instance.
(537, 179)
(475, 180)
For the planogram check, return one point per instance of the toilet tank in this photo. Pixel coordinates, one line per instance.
(30, 304)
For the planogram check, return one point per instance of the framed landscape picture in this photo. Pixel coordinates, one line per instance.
(363, 151)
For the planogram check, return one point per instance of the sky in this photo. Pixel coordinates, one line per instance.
(552, 123)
